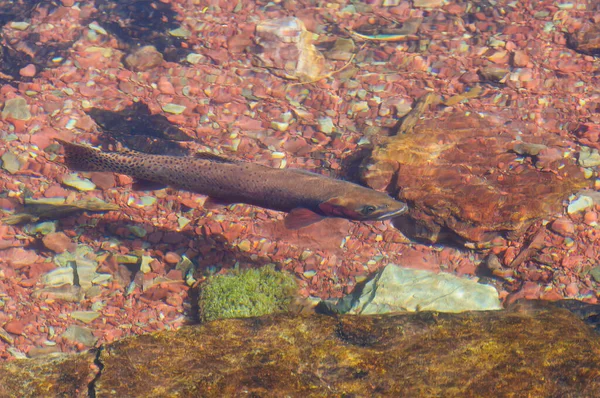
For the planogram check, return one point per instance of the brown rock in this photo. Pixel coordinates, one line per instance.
(453, 171)
(144, 58)
(28, 70)
(18, 257)
(563, 226)
(58, 242)
(172, 257)
(586, 39)
(64, 376)
(104, 180)
(520, 59)
(15, 326)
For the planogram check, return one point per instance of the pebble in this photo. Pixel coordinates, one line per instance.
(10, 162)
(28, 70)
(43, 228)
(144, 58)
(245, 245)
(15, 326)
(81, 184)
(174, 109)
(563, 226)
(58, 242)
(17, 109)
(85, 316)
(325, 125)
(589, 157)
(580, 204)
(79, 334)
(104, 180)
(172, 257)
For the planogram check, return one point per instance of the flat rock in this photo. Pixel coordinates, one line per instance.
(471, 178)
(533, 349)
(397, 289)
(63, 376)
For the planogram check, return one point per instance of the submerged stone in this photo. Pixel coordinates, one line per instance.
(397, 289)
(16, 108)
(466, 179)
(533, 349)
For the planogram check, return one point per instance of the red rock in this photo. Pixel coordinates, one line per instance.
(55, 191)
(172, 257)
(44, 137)
(58, 242)
(520, 59)
(165, 86)
(28, 71)
(104, 180)
(68, 3)
(18, 257)
(590, 217)
(572, 290)
(563, 226)
(15, 326)
(144, 58)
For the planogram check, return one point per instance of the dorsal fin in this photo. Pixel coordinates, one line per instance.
(212, 157)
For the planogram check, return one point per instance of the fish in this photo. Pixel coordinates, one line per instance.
(305, 196)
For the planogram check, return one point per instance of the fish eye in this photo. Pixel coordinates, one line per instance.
(366, 210)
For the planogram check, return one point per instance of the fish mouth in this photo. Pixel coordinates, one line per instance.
(394, 213)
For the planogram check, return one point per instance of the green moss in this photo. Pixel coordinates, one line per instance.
(246, 293)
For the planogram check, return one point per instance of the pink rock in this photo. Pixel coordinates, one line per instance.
(55, 191)
(15, 326)
(165, 86)
(44, 137)
(58, 242)
(28, 71)
(172, 257)
(563, 226)
(104, 180)
(520, 59)
(18, 257)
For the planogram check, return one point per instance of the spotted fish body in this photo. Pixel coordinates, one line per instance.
(306, 196)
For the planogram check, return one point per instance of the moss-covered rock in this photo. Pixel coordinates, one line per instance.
(246, 293)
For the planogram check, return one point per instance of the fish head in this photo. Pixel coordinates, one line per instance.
(365, 205)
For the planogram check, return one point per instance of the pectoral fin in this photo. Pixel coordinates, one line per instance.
(300, 218)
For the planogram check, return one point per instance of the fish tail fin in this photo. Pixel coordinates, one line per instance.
(82, 157)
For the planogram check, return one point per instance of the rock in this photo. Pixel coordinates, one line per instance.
(28, 70)
(288, 49)
(445, 176)
(563, 226)
(589, 157)
(104, 180)
(48, 376)
(18, 257)
(523, 351)
(81, 184)
(10, 162)
(144, 58)
(586, 39)
(79, 334)
(85, 316)
(58, 242)
(397, 289)
(16, 108)
(581, 203)
(595, 273)
(15, 326)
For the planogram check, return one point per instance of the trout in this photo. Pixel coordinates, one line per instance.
(307, 197)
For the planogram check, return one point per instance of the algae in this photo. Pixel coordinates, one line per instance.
(246, 293)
